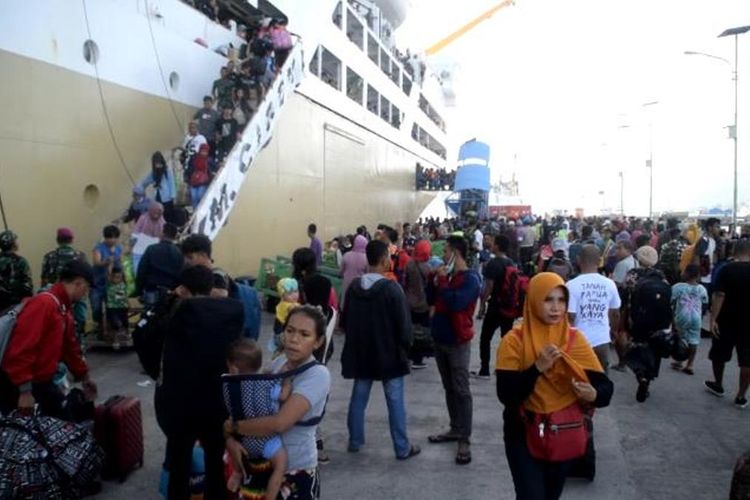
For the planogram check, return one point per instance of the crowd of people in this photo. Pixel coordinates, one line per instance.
(434, 179)
(560, 290)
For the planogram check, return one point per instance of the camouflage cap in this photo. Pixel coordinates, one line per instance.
(7, 240)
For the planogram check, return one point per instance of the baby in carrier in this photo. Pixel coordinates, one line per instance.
(260, 399)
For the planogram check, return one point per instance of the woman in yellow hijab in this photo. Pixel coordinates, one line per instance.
(544, 366)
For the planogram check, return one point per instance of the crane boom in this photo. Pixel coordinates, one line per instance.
(466, 28)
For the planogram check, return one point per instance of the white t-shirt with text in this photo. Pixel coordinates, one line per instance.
(591, 297)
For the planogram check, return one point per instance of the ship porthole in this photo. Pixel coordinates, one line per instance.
(91, 195)
(90, 51)
(174, 80)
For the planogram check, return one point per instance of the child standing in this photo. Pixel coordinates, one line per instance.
(689, 299)
(117, 304)
(246, 358)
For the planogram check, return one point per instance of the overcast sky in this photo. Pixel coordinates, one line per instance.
(557, 89)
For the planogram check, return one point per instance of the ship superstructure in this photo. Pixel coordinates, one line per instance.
(92, 88)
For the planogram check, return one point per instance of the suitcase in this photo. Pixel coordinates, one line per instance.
(119, 431)
(585, 467)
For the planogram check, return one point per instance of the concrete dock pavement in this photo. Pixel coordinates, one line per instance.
(681, 444)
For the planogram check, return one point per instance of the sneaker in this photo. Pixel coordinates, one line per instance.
(642, 393)
(418, 366)
(714, 388)
(740, 403)
(480, 375)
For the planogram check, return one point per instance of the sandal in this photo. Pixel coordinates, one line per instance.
(413, 452)
(676, 365)
(688, 371)
(463, 457)
(443, 438)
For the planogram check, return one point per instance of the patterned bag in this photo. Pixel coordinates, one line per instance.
(44, 457)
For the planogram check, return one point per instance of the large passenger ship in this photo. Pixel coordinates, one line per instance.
(91, 88)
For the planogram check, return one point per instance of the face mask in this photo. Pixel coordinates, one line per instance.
(451, 265)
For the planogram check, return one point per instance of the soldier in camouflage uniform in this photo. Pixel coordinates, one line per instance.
(54, 261)
(15, 275)
(670, 255)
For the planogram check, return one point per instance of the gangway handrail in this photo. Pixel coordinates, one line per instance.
(213, 210)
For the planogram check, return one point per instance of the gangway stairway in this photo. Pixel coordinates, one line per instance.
(212, 212)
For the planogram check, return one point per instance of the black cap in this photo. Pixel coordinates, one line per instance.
(77, 269)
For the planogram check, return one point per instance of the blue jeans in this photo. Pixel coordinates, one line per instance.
(196, 194)
(96, 297)
(394, 397)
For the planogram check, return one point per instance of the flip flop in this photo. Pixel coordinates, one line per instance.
(443, 438)
(677, 366)
(463, 457)
(413, 452)
(688, 371)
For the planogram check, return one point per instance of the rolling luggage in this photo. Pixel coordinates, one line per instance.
(119, 430)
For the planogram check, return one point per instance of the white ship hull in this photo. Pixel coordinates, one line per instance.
(72, 143)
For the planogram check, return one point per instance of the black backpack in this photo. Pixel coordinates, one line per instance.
(257, 66)
(261, 46)
(650, 305)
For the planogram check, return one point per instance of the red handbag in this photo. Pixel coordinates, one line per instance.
(558, 436)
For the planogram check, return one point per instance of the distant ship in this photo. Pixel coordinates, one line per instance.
(90, 89)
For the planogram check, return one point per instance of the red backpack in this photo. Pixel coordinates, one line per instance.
(513, 292)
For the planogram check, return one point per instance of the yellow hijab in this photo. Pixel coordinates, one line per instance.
(521, 347)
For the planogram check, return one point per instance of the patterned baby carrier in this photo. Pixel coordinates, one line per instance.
(256, 395)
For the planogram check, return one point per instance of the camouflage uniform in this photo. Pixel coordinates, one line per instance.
(669, 260)
(15, 279)
(55, 260)
(52, 264)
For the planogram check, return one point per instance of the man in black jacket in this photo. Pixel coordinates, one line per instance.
(188, 400)
(160, 266)
(378, 337)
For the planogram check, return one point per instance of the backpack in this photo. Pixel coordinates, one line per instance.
(650, 305)
(261, 46)
(7, 323)
(513, 292)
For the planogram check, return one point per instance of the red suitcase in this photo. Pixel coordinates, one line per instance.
(119, 431)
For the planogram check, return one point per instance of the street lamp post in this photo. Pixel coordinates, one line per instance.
(650, 162)
(733, 128)
(622, 194)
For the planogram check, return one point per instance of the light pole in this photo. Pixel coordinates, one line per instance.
(622, 194)
(733, 128)
(650, 161)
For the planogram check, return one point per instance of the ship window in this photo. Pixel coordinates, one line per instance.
(354, 86)
(354, 30)
(396, 75)
(373, 98)
(385, 62)
(337, 15)
(395, 117)
(385, 109)
(315, 63)
(174, 80)
(373, 50)
(90, 51)
(330, 69)
(406, 85)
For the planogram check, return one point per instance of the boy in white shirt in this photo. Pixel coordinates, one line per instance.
(594, 303)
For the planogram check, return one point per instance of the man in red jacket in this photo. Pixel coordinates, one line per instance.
(43, 336)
